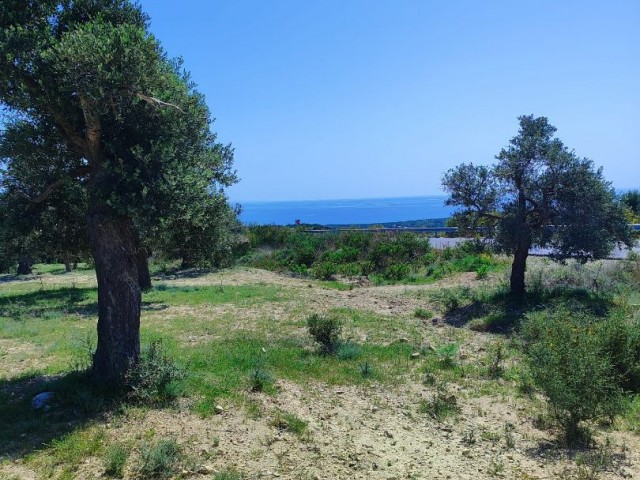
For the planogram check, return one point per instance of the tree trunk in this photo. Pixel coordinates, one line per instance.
(67, 265)
(24, 266)
(144, 277)
(115, 251)
(518, 268)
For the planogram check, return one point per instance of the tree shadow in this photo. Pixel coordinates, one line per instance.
(40, 303)
(593, 457)
(501, 312)
(76, 402)
(177, 273)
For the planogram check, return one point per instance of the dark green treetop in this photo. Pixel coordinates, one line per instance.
(539, 193)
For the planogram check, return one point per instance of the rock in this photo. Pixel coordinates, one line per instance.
(466, 452)
(41, 400)
(403, 340)
(388, 434)
(218, 409)
(415, 355)
(206, 470)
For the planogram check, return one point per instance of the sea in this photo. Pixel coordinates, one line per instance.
(345, 212)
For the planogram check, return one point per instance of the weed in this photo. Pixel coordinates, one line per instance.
(260, 380)
(348, 351)
(159, 460)
(325, 330)
(155, 380)
(496, 467)
(482, 272)
(289, 422)
(115, 459)
(448, 354)
(366, 370)
(496, 353)
(441, 405)
(423, 313)
(228, 474)
(509, 439)
(469, 437)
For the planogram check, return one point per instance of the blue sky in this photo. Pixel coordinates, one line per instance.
(365, 98)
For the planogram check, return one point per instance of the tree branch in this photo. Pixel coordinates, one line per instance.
(156, 102)
(77, 172)
(66, 129)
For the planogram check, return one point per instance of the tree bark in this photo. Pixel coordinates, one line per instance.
(115, 251)
(518, 268)
(67, 265)
(24, 266)
(144, 277)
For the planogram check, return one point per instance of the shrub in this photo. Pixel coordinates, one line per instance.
(155, 380)
(324, 270)
(325, 330)
(260, 380)
(482, 271)
(348, 351)
(569, 363)
(397, 271)
(441, 405)
(448, 354)
(115, 460)
(159, 460)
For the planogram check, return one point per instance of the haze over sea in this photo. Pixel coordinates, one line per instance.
(346, 212)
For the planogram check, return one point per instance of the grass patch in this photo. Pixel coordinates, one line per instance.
(242, 295)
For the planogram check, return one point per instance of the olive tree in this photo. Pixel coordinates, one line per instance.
(539, 193)
(136, 131)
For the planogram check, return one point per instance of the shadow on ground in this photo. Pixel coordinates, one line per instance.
(75, 403)
(39, 303)
(177, 274)
(500, 312)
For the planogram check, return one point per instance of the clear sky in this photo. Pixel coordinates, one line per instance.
(369, 98)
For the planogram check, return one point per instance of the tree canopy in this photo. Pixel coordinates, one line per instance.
(539, 193)
(88, 81)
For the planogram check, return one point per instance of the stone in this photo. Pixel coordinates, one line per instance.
(218, 409)
(415, 355)
(41, 400)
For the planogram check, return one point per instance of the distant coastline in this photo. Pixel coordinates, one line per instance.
(404, 211)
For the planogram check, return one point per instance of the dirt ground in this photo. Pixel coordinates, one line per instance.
(364, 432)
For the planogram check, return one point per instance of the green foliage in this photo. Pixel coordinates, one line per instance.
(539, 193)
(155, 380)
(159, 460)
(348, 351)
(631, 202)
(228, 474)
(441, 405)
(260, 380)
(423, 313)
(325, 330)
(289, 422)
(569, 361)
(115, 460)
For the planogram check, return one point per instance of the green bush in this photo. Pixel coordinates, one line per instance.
(397, 271)
(260, 380)
(160, 460)
(325, 330)
(115, 460)
(324, 270)
(569, 362)
(155, 380)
